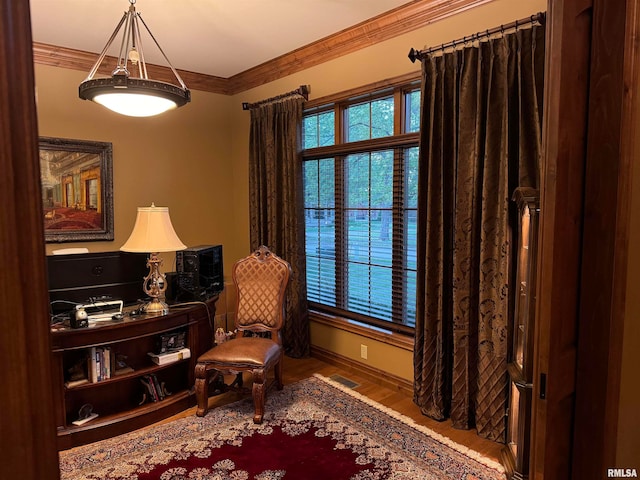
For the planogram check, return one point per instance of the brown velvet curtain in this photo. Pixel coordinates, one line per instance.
(275, 206)
(480, 138)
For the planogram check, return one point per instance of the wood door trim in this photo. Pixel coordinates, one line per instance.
(561, 211)
(606, 232)
(589, 143)
(27, 403)
(618, 426)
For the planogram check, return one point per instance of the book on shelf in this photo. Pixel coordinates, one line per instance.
(98, 372)
(170, 357)
(106, 364)
(99, 365)
(150, 388)
(157, 386)
(91, 366)
(154, 390)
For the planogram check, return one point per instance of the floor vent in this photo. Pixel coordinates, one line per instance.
(344, 381)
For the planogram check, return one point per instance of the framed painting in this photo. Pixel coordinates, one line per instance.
(77, 189)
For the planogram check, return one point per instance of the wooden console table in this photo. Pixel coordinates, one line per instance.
(118, 400)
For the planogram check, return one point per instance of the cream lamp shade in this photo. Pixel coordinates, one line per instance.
(153, 232)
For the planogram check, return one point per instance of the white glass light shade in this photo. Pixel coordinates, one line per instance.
(134, 97)
(153, 232)
(134, 104)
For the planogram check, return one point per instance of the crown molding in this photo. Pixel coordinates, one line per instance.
(396, 22)
(45, 54)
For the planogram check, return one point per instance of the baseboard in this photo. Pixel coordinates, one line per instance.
(374, 375)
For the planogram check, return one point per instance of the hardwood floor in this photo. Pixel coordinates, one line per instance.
(299, 369)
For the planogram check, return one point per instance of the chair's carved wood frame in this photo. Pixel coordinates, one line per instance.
(262, 341)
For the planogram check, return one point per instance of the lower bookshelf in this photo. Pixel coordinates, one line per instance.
(121, 400)
(110, 425)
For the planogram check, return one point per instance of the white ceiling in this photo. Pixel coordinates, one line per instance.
(213, 37)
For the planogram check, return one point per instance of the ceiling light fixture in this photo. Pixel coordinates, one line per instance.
(134, 96)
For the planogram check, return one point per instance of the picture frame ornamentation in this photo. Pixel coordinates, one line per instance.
(77, 189)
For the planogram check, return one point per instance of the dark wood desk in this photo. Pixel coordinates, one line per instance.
(117, 399)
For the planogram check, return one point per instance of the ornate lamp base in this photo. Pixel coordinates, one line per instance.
(156, 306)
(155, 285)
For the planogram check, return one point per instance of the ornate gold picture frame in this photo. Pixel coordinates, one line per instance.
(77, 189)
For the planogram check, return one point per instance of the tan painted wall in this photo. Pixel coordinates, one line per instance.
(181, 159)
(380, 355)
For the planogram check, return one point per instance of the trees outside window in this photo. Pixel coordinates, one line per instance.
(360, 187)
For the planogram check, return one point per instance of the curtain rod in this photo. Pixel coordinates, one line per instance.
(538, 18)
(302, 90)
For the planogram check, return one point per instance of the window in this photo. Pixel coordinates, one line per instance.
(360, 187)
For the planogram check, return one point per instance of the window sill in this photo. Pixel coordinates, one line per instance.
(399, 340)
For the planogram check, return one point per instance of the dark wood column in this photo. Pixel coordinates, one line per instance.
(560, 236)
(27, 429)
(611, 148)
(590, 117)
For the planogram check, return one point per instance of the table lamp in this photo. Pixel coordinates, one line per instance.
(153, 233)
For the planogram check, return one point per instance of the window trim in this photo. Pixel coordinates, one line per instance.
(336, 312)
(380, 334)
(361, 92)
(395, 88)
(405, 140)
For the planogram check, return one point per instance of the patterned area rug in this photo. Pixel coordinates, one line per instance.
(313, 429)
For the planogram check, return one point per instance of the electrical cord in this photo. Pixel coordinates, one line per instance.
(58, 318)
(196, 302)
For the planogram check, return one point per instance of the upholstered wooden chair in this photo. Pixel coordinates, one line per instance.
(261, 280)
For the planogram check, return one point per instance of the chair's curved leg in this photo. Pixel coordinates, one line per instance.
(202, 387)
(259, 393)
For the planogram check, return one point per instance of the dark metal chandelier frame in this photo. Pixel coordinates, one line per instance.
(131, 51)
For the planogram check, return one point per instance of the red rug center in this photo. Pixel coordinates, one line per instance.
(302, 456)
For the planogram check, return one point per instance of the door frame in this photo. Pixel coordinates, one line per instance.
(588, 150)
(28, 427)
